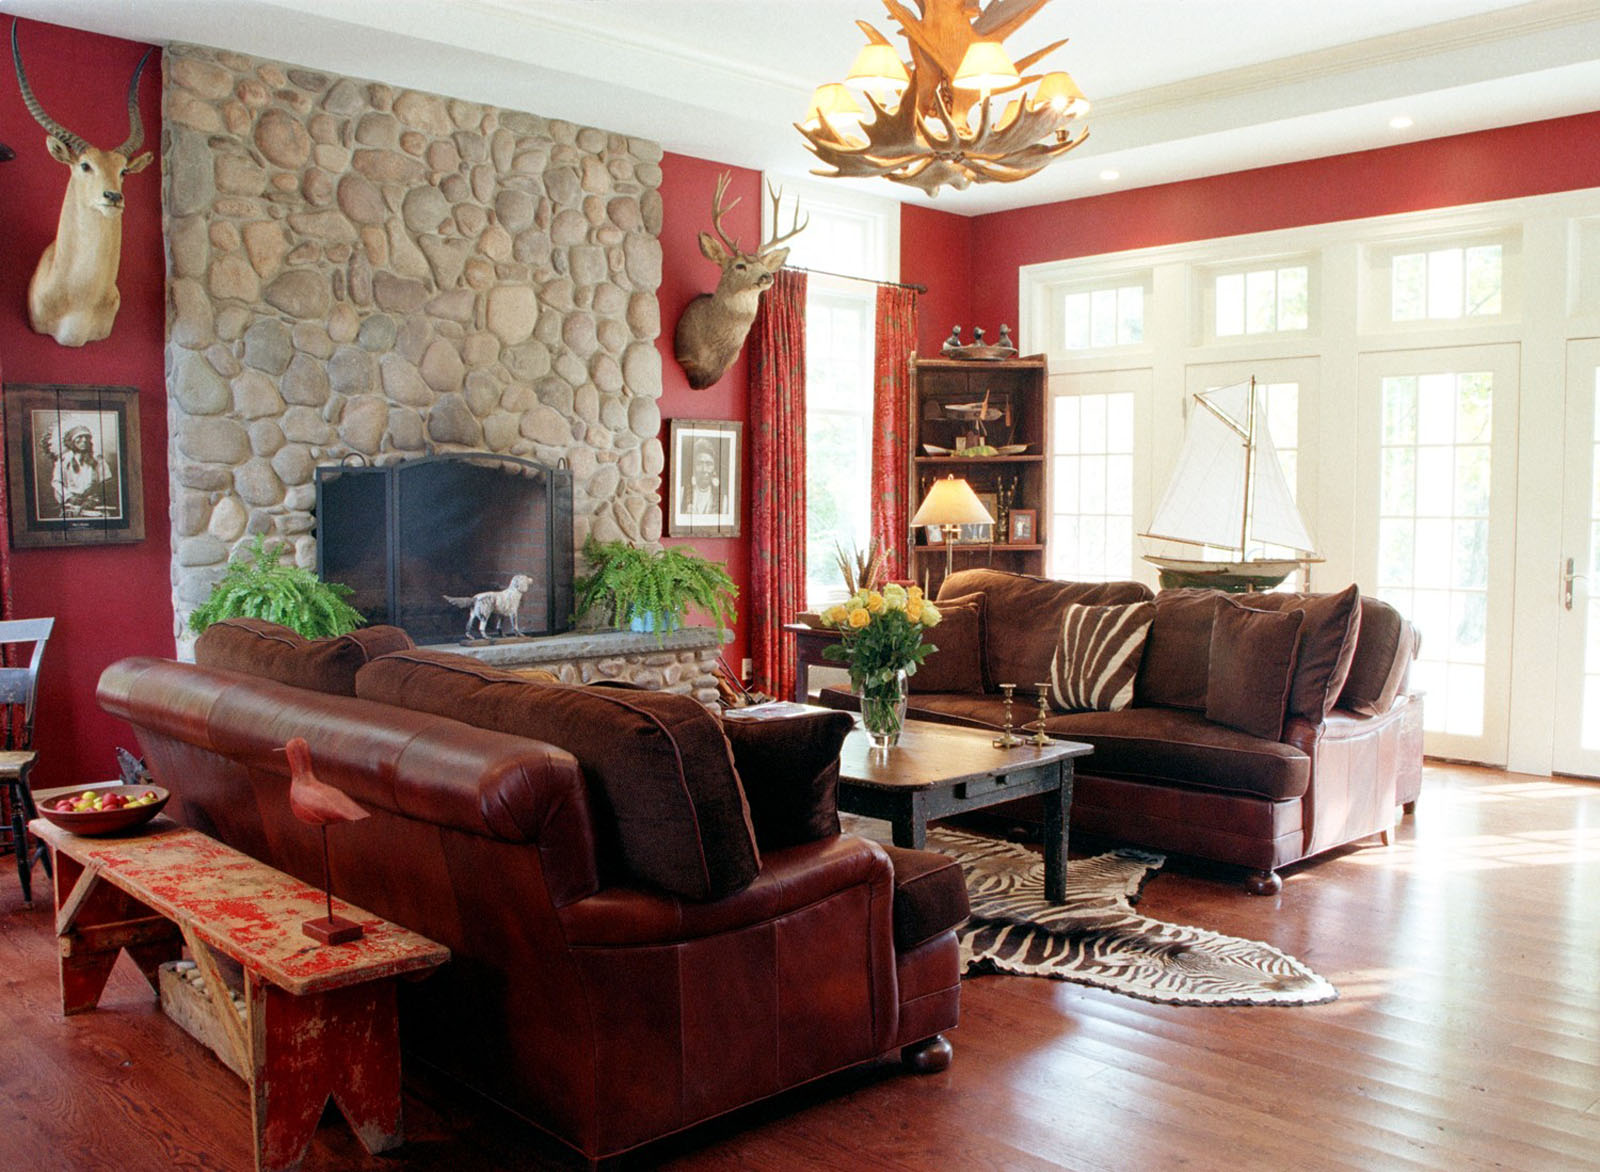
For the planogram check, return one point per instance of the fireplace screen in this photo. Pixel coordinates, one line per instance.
(408, 537)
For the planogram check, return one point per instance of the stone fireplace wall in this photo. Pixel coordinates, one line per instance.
(356, 269)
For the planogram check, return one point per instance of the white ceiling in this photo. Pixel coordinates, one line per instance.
(1181, 88)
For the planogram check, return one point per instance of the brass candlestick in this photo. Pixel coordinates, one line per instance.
(1007, 739)
(1039, 737)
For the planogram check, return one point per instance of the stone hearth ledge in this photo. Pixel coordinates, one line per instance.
(682, 661)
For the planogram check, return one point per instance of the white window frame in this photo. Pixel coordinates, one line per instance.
(1378, 280)
(1206, 293)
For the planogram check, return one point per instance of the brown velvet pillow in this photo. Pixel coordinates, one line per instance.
(790, 772)
(1177, 651)
(1327, 645)
(1098, 656)
(958, 664)
(1383, 655)
(659, 760)
(269, 651)
(1252, 667)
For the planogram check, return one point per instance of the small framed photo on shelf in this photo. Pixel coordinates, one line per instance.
(1024, 527)
(981, 534)
(933, 534)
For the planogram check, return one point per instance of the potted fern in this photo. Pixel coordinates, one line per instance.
(265, 587)
(653, 590)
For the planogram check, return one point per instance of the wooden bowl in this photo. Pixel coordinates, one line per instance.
(92, 823)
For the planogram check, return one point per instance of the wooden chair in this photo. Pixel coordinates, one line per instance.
(18, 687)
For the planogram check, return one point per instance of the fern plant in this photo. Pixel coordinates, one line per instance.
(265, 587)
(627, 581)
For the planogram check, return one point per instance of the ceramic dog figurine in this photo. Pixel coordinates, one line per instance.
(499, 605)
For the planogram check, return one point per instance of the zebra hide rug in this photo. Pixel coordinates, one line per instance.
(1096, 938)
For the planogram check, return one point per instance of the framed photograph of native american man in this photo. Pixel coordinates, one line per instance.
(72, 461)
(703, 477)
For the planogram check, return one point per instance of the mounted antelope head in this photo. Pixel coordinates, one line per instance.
(73, 295)
(712, 330)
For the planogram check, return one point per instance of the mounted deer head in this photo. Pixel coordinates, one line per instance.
(73, 295)
(713, 326)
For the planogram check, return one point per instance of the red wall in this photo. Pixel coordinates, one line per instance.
(1537, 158)
(114, 600)
(688, 191)
(936, 251)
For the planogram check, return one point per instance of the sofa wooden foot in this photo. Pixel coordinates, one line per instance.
(1409, 807)
(929, 1056)
(1386, 837)
(1263, 883)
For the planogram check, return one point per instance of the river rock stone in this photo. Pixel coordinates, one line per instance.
(255, 396)
(424, 209)
(301, 293)
(402, 382)
(282, 139)
(362, 427)
(199, 390)
(451, 422)
(214, 441)
(268, 346)
(305, 382)
(442, 368)
(194, 324)
(512, 311)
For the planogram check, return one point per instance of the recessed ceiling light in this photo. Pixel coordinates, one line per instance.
(1400, 122)
(1110, 176)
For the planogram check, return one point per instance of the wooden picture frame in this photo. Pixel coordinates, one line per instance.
(981, 534)
(73, 470)
(1024, 524)
(933, 534)
(703, 465)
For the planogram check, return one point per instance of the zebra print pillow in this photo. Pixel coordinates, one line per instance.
(1098, 656)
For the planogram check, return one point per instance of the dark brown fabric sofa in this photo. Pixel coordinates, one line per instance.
(636, 947)
(1165, 776)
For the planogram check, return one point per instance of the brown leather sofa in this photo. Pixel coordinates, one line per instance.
(1163, 775)
(763, 950)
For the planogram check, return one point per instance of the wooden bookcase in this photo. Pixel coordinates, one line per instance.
(1016, 387)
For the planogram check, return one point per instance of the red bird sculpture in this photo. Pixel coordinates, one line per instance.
(314, 800)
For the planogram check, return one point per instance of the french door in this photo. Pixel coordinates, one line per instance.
(1434, 525)
(1577, 726)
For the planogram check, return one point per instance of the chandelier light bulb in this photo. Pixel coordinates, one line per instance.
(985, 67)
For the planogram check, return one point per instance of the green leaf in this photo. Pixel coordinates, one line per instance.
(263, 587)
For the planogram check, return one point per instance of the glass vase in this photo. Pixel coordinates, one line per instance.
(883, 710)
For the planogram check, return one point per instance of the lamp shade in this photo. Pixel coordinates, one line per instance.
(1059, 92)
(951, 501)
(836, 106)
(878, 70)
(985, 66)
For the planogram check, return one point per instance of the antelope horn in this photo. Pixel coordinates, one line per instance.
(72, 141)
(135, 127)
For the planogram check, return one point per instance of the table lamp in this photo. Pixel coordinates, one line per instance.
(951, 503)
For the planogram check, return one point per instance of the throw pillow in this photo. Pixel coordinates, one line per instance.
(1098, 656)
(270, 651)
(1252, 667)
(958, 664)
(1177, 651)
(1327, 645)
(790, 772)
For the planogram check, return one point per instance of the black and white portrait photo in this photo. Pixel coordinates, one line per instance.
(72, 457)
(704, 477)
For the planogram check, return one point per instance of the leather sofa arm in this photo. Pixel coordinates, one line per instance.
(791, 879)
(1357, 764)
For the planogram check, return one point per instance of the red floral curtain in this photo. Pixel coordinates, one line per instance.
(891, 453)
(778, 477)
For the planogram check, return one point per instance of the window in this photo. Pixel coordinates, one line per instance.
(1097, 318)
(1262, 301)
(1091, 476)
(1433, 533)
(1445, 283)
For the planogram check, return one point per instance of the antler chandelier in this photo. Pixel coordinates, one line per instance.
(962, 113)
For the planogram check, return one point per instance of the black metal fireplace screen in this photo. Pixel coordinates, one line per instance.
(408, 537)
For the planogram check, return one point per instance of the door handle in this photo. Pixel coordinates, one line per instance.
(1567, 579)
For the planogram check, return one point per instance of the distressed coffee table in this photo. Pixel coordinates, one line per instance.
(938, 770)
(319, 1020)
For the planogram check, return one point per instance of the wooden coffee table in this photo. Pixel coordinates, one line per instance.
(938, 770)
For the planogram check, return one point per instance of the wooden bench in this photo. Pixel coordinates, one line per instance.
(320, 1020)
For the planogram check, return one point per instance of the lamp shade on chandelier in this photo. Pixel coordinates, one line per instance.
(960, 112)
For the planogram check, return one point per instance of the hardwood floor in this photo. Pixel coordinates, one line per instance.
(1467, 1036)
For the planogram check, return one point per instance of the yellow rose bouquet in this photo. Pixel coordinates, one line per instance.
(882, 645)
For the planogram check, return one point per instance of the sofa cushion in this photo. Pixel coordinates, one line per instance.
(1098, 656)
(659, 760)
(1251, 672)
(789, 768)
(270, 651)
(930, 895)
(1022, 617)
(1184, 750)
(958, 664)
(1328, 639)
(1382, 657)
(1177, 650)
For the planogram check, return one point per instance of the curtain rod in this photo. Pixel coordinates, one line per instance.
(851, 277)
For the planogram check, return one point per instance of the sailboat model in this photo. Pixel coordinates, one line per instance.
(1229, 493)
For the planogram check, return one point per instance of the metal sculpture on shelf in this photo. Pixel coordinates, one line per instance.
(499, 605)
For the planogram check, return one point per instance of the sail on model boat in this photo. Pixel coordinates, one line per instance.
(1229, 493)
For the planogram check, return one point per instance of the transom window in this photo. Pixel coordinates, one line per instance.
(1262, 301)
(1098, 318)
(1447, 283)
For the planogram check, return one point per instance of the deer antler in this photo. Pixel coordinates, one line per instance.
(718, 211)
(135, 127)
(798, 227)
(72, 141)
